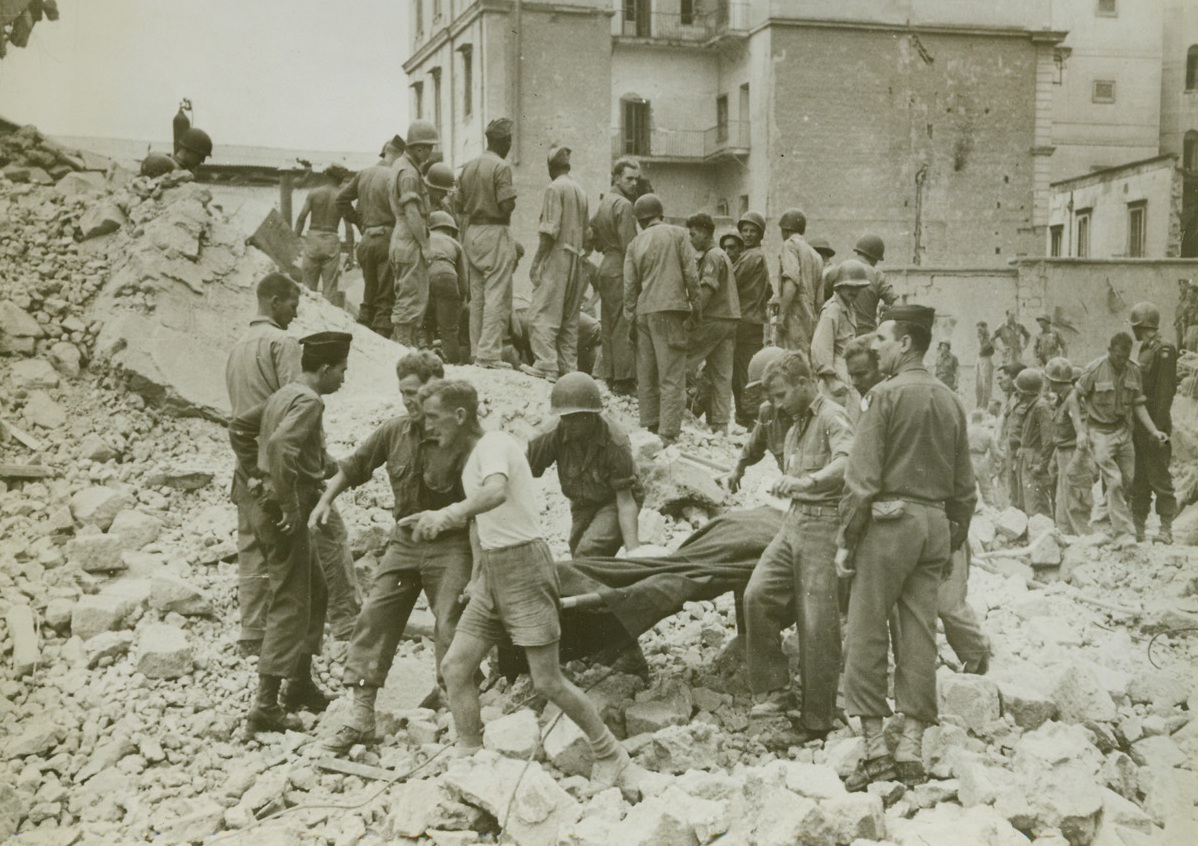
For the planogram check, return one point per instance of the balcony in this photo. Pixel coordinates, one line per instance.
(640, 23)
(685, 146)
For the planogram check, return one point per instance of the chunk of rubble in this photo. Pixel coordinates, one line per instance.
(135, 528)
(98, 505)
(96, 553)
(528, 803)
(107, 646)
(654, 715)
(1011, 524)
(1045, 551)
(18, 330)
(66, 359)
(674, 818)
(181, 480)
(948, 823)
(42, 411)
(971, 699)
(32, 373)
(415, 807)
(566, 745)
(673, 483)
(515, 735)
(1080, 696)
(164, 652)
(676, 749)
(1039, 525)
(169, 593)
(1029, 709)
(100, 219)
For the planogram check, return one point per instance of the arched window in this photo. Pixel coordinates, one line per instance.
(1189, 150)
(1192, 67)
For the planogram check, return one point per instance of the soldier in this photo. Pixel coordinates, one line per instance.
(280, 448)
(861, 361)
(1110, 391)
(909, 498)
(795, 579)
(753, 290)
(613, 228)
(837, 327)
(769, 427)
(447, 280)
(661, 287)
(192, 148)
(1075, 467)
(1036, 438)
(871, 250)
(371, 190)
(322, 248)
(800, 284)
(515, 591)
(1010, 431)
(983, 385)
(1014, 337)
(1049, 343)
(732, 245)
(409, 239)
(713, 323)
(828, 277)
(1158, 370)
(262, 361)
(556, 272)
(594, 467)
(488, 197)
(982, 454)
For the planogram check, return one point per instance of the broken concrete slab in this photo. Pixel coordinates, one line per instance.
(164, 652)
(136, 529)
(515, 735)
(971, 699)
(168, 593)
(98, 505)
(528, 803)
(32, 373)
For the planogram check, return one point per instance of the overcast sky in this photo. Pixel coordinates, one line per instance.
(295, 74)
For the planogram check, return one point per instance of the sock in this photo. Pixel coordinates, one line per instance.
(605, 746)
(910, 744)
(268, 691)
(875, 740)
(361, 714)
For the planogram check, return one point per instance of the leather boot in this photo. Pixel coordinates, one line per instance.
(266, 715)
(302, 693)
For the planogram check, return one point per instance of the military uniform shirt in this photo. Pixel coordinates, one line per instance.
(1038, 432)
(484, 183)
(753, 286)
(660, 272)
(371, 188)
(818, 446)
(837, 326)
(1064, 433)
(715, 272)
(564, 214)
(407, 187)
(1110, 397)
(590, 469)
(1158, 372)
(263, 360)
(865, 307)
(612, 229)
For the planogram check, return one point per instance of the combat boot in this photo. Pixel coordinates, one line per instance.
(266, 715)
(1165, 535)
(302, 693)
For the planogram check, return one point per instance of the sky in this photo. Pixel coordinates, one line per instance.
(293, 74)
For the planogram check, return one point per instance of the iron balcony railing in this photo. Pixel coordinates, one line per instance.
(639, 20)
(730, 138)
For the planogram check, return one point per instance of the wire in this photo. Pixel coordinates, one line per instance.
(1152, 642)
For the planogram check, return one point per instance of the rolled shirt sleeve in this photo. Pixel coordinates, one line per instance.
(551, 212)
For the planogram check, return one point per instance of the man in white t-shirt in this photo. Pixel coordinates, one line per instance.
(514, 589)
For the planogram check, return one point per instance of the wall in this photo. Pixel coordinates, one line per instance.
(1019, 14)
(1108, 195)
(1179, 108)
(679, 83)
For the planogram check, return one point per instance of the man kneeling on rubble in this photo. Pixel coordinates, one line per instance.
(514, 590)
(796, 576)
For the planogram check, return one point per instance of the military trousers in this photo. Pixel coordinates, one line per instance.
(296, 596)
(411, 296)
(795, 581)
(898, 566)
(553, 314)
(445, 313)
(491, 254)
(983, 472)
(595, 530)
(322, 264)
(983, 384)
(1152, 479)
(1075, 490)
(712, 346)
(962, 628)
(378, 285)
(439, 567)
(749, 340)
(661, 370)
(619, 358)
(1116, 459)
(1037, 485)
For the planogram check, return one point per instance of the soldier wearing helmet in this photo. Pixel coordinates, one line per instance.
(595, 468)
(409, 239)
(1075, 468)
(556, 271)
(770, 425)
(322, 248)
(732, 245)
(447, 285)
(800, 285)
(879, 293)
(439, 183)
(1158, 370)
(837, 326)
(192, 148)
(1036, 444)
(613, 227)
(753, 289)
(661, 288)
(712, 328)
(1049, 343)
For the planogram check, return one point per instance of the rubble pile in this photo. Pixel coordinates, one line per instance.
(123, 694)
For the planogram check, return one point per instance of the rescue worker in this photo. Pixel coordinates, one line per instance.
(828, 277)
(1075, 467)
(192, 149)
(1010, 431)
(800, 284)
(712, 327)
(753, 290)
(1158, 371)
(612, 229)
(795, 578)
(661, 287)
(1036, 440)
(262, 361)
(947, 365)
(487, 198)
(280, 447)
(515, 593)
(769, 426)
(556, 272)
(1049, 343)
(439, 185)
(409, 239)
(879, 293)
(983, 384)
(982, 454)
(370, 190)
(594, 467)
(423, 476)
(1014, 337)
(861, 362)
(732, 245)
(322, 248)
(448, 272)
(909, 499)
(837, 326)
(1111, 393)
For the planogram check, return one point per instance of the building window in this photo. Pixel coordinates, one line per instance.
(1137, 231)
(1055, 233)
(418, 99)
(1192, 67)
(1083, 234)
(721, 118)
(686, 12)
(1189, 150)
(1104, 91)
(637, 18)
(721, 207)
(635, 129)
(1108, 8)
(435, 73)
(467, 52)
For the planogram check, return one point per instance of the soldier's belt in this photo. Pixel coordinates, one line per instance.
(937, 504)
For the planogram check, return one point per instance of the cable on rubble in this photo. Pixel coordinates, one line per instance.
(1162, 634)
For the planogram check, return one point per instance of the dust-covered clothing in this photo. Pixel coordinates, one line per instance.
(612, 229)
(769, 434)
(802, 268)
(485, 183)
(558, 289)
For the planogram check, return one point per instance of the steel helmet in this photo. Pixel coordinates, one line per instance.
(821, 246)
(792, 220)
(734, 235)
(440, 176)
(851, 274)
(422, 132)
(1077, 372)
(648, 206)
(871, 247)
(1059, 370)
(442, 220)
(573, 393)
(1029, 381)
(753, 218)
(1146, 314)
(762, 359)
(197, 141)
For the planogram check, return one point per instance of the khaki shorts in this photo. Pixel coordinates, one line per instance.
(516, 595)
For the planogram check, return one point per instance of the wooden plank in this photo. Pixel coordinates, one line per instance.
(336, 765)
(26, 439)
(24, 471)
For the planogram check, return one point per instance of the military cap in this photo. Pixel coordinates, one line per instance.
(327, 347)
(499, 128)
(396, 143)
(918, 314)
(1044, 318)
(559, 154)
(821, 246)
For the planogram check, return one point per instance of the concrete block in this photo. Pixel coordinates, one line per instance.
(972, 699)
(99, 505)
(164, 652)
(111, 645)
(1080, 696)
(135, 528)
(32, 373)
(1011, 524)
(1046, 552)
(96, 553)
(515, 735)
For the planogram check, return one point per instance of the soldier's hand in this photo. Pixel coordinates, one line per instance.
(632, 332)
(732, 480)
(1162, 438)
(958, 533)
(349, 262)
(844, 564)
(289, 522)
(320, 515)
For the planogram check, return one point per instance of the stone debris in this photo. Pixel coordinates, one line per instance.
(26, 651)
(164, 652)
(99, 505)
(171, 593)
